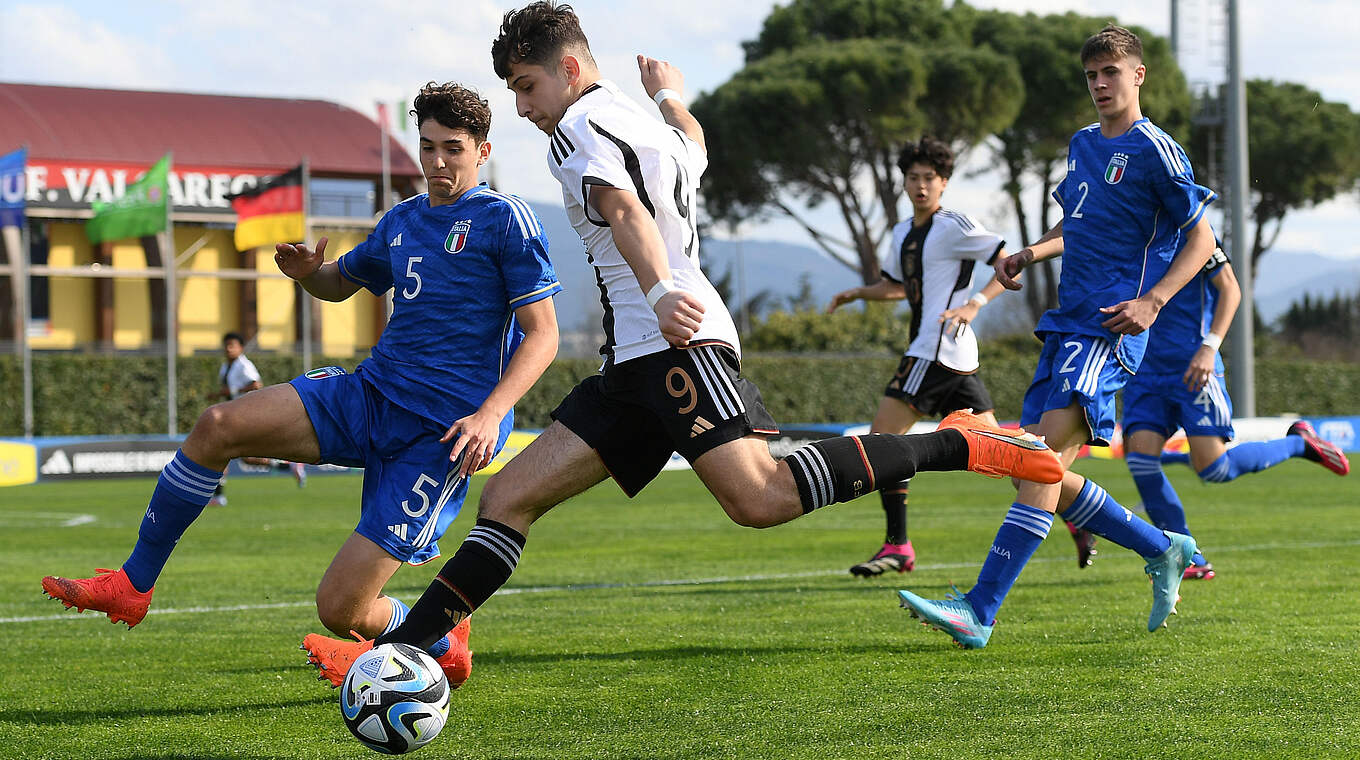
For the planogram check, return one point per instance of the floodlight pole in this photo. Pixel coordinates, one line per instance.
(22, 309)
(307, 239)
(1242, 375)
(1175, 31)
(168, 256)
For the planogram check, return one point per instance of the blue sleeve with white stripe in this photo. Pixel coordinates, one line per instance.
(369, 263)
(1174, 182)
(525, 265)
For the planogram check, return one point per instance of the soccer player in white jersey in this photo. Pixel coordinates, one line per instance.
(1132, 235)
(472, 328)
(930, 263)
(670, 380)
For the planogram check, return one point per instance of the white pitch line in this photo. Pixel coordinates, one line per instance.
(25, 518)
(659, 583)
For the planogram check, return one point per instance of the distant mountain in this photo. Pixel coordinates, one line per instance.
(1283, 277)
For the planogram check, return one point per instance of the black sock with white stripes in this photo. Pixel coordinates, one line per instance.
(481, 565)
(840, 469)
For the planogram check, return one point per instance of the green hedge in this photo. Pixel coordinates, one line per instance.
(76, 394)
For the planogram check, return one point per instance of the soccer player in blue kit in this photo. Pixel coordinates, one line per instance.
(1133, 233)
(1180, 385)
(472, 328)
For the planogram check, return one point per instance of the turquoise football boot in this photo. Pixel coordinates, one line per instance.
(953, 615)
(1166, 571)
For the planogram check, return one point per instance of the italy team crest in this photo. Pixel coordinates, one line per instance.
(458, 235)
(1114, 171)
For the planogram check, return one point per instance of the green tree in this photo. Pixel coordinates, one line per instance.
(1302, 151)
(820, 110)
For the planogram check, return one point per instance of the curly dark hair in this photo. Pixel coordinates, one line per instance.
(928, 151)
(537, 34)
(454, 106)
(1112, 42)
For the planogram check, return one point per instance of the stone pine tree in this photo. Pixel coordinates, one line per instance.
(830, 92)
(1302, 151)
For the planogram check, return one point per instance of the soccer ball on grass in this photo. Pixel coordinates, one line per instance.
(395, 699)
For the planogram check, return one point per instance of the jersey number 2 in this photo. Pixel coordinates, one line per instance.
(1084, 188)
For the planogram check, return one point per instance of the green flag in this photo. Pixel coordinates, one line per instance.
(141, 210)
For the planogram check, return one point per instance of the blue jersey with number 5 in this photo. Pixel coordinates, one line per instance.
(457, 273)
(1127, 203)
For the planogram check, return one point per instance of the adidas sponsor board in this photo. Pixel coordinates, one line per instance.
(105, 459)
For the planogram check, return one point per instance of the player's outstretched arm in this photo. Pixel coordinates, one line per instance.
(883, 290)
(1229, 296)
(955, 319)
(317, 276)
(1008, 268)
(1134, 316)
(477, 433)
(640, 243)
(661, 75)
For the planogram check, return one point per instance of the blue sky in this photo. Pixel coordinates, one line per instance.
(359, 52)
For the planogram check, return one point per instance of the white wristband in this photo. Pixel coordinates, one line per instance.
(979, 299)
(663, 93)
(1212, 341)
(661, 288)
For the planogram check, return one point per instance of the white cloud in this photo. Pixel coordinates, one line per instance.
(54, 44)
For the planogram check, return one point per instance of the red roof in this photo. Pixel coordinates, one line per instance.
(77, 123)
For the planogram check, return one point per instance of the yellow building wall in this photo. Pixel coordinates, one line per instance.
(207, 306)
(131, 298)
(70, 299)
(347, 327)
(275, 314)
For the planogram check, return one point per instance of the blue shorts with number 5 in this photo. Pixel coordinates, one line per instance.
(1080, 369)
(411, 490)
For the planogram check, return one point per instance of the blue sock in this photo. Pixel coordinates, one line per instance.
(1159, 498)
(1176, 457)
(1020, 534)
(181, 493)
(1160, 501)
(399, 610)
(1252, 457)
(1097, 512)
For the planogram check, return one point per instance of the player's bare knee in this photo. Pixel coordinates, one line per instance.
(213, 429)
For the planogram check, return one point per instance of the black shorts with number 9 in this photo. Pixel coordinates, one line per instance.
(636, 413)
(934, 390)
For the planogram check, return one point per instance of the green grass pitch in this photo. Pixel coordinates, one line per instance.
(657, 629)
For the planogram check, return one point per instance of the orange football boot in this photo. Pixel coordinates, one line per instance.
(108, 591)
(333, 657)
(1001, 452)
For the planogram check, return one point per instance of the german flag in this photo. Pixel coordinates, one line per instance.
(270, 212)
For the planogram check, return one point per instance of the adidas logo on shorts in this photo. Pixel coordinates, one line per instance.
(700, 427)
